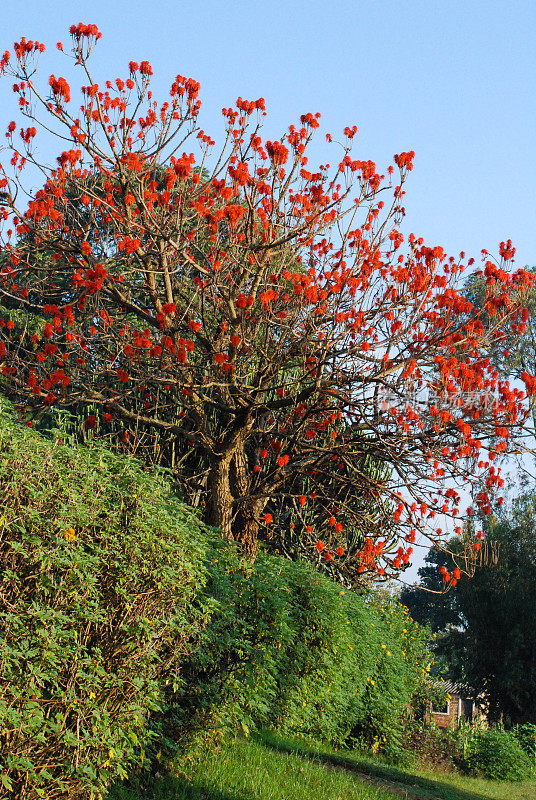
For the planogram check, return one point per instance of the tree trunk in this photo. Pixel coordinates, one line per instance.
(246, 530)
(218, 508)
(246, 521)
(228, 481)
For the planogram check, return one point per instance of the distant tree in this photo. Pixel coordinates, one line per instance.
(514, 353)
(486, 627)
(253, 319)
(514, 356)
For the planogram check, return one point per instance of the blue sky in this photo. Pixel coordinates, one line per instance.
(452, 80)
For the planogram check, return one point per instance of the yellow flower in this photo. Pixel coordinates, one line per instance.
(70, 534)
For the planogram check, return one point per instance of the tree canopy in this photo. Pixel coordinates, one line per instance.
(259, 324)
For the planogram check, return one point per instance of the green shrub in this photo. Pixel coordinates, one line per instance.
(496, 754)
(99, 567)
(290, 649)
(526, 736)
(127, 630)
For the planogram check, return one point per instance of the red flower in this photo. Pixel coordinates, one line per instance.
(340, 551)
(60, 88)
(268, 518)
(320, 546)
(530, 382)
(302, 499)
(277, 152)
(234, 213)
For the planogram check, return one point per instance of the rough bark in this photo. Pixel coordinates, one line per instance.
(218, 507)
(246, 518)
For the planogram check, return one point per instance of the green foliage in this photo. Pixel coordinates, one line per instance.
(128, 629)
(486, 627)
(287, 647)
(526, 736)
(497, 754)
(98, 570)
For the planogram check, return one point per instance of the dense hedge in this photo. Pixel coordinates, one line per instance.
(99, 569)
(288, 648)
(127, 629)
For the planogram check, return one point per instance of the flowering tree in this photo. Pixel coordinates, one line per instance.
(255, 321)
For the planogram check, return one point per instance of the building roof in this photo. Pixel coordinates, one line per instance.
(459, 689)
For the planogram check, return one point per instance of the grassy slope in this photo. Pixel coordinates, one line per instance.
(275, 768)
(248, 770)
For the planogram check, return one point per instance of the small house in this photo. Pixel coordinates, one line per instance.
(460, 703)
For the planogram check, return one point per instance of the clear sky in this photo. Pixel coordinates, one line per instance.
(452, 80)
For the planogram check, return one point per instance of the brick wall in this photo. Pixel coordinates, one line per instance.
(449, 720)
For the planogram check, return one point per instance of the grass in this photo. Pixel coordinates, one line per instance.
(270, 767)
(415, 781)
(250, 770)
(498, 790)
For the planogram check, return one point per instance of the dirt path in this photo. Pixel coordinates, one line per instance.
(399, 788)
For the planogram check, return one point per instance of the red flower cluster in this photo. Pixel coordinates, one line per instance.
(81, 30)
(277, 152)
(60, 88)
(24, 48)
(405, 160)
